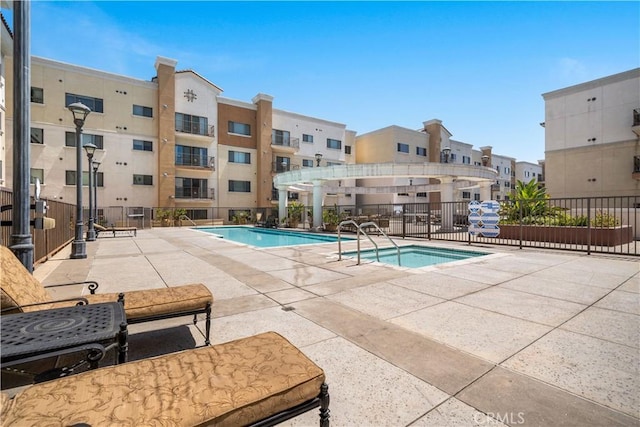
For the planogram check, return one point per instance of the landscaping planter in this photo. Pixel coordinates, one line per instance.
(600, 236)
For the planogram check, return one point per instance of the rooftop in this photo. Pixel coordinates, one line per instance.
(526, 336)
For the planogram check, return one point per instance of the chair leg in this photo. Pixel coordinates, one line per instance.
(207, 326)
(324, 405)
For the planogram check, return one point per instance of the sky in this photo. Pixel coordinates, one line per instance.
(481, 67)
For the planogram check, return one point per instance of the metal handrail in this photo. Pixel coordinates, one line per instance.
(187, 218)
(359, 230)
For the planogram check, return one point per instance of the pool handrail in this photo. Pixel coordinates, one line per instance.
(375, 225)
(346, 222)
(359, 229)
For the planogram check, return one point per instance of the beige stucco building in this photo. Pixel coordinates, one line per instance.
(592, 138)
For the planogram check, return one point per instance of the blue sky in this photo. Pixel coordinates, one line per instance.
(480, 67)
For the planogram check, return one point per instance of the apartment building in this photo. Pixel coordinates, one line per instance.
(5, 47)
(592, 138)
(527, 171)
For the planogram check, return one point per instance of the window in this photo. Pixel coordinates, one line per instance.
(403, 148)
(97, 140)
(280, 137)
(141, 145)
(37, 136)
(453, 157)
(195, 214)
(142, 179)
(95, 104)
(37, 95)
(191, 188)
(70, 178)
(498, 169)
(526, 174)
(466, 160)
(239, 128)
(192, 156)
(239, 157)
(36, 173)
(347, 149)
(334, 143)
(239, 186)
(192, 124)
(507, 170)
(307, 138)
(466, 194)
(282, 164)
(139, 110)
(333, 163)
(423, 194)
(307, 163)
(421, 151)
(476, 196)
(403, 194)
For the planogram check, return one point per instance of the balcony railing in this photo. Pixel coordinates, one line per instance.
(285, 142)
(186, 126)
(280, 167)
(193, 193)
(195, 160)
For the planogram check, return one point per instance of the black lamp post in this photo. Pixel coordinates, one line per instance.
(96, 165)
(446, 152)
(80, 113)
(91, 232)
(318, 158)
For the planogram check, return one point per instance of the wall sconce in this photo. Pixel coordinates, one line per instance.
(318, 158)
(446, 152)
(164, 139)
(165, 174)
(165, 106)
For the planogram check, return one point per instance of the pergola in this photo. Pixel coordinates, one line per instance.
(451, 177)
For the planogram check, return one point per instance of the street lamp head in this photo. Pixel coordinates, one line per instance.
(318, 158)
(79, 111)
(485, 160)
(96, 165)
(90, 149)
(446, 151)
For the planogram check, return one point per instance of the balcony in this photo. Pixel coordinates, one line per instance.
(277, 167)
(636, 121)
(191, 160)
(194, 128)
(285, 145)
(636, 168)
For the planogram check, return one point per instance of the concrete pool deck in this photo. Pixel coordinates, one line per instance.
(520, 337)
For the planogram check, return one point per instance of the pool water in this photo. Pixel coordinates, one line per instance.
(268, 238)
(414, 256)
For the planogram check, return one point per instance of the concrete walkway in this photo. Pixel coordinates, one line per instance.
(519, 337)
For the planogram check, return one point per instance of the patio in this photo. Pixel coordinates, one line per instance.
(527, 337)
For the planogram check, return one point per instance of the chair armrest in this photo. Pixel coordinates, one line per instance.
(80, 301)
(93, 285)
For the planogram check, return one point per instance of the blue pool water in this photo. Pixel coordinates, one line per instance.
(416, 256)
(268, 238)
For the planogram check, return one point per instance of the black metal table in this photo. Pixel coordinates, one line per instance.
(82, 334)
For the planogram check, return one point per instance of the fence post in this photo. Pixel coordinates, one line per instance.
(589, 226)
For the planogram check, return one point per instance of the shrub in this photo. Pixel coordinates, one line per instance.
(604, 219)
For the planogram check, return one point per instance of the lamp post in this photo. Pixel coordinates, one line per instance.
(96, 165)
(80, 113)
(90, 150)
(318, 158)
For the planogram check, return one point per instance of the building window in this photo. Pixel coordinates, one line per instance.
(139, 110)
(239, 128)
(70, 178)
(36, 173)
(37, 95)
(239, 157)
(476, 196)
(403, 194)
(280, 137)
(421, 151)
(142, 179)
(347, 149)
(192, 124)
(307, 138)
(97, 140)
(403, 148)
(239, 186)
(140, 145)
(191, 188)
(307, 163)
(191, 156)
(95, 104)
(498, 169)
(196, 214)
(37, 136)
(334, 143)
(466, 160)
(466, 195)
(422, 194)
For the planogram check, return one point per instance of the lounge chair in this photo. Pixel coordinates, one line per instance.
(21, 292)
(101, 229)
(261, 380)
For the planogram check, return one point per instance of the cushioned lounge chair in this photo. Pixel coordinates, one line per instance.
(21, 292)
(101, 229)
(260, 380)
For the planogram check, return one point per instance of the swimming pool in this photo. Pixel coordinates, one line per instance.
(414, 256)
(268, 238)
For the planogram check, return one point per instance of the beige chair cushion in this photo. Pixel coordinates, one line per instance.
(231, 384)
(153, 302)
(19, 287)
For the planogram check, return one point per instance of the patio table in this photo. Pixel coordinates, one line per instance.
(30, 338)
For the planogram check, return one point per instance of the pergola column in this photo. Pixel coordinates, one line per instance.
(317, 204)
(446, 197)
(282, 202)
(485, 190)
